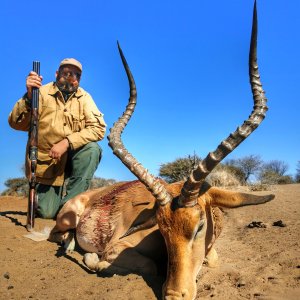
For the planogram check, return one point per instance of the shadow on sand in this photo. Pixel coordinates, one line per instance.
(7, 214)
(154, 282)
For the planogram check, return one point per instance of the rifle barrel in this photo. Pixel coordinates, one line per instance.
(33, 142)
(35, 91)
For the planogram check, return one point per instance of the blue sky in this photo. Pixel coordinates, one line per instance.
(190, 63)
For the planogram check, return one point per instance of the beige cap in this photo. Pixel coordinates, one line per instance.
(71, 61)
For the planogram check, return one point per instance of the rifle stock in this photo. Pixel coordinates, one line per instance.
(33, 152)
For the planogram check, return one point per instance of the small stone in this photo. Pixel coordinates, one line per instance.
(257, 294)
(256, 224)
(273, 280)
(241, 283)
(279, 223)
(6, 275)
(209, 287)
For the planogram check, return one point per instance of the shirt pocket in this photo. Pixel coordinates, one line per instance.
(77, 122)
(49, 168)
(100, 120)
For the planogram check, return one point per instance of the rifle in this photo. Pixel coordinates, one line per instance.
(33, 152)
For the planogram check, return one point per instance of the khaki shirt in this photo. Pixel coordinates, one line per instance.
(78, 119)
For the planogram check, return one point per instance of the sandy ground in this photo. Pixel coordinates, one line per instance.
(255, 263)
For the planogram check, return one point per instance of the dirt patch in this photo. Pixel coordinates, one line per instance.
(256, 262)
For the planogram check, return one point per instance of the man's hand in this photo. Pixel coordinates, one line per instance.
(59, 149)
(33, 80)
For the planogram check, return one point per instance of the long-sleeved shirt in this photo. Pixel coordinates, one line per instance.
(78, 119)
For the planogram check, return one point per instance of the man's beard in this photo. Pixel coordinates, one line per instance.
(65, 86)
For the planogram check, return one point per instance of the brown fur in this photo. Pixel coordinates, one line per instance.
(186, 235)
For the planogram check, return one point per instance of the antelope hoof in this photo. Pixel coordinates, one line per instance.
(91, 260)
(69, 242)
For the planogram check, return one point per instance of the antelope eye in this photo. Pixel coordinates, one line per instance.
(201, 225)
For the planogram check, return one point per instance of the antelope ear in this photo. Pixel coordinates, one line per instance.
(229, 199)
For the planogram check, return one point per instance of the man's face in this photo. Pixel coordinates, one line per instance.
(68, 78)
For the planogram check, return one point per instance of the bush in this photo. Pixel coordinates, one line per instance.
(277, 166)
(222, 178)
(286, 179)
(16, 187)
(271, 177)
(245, 166)
(179, 169)
(20, 186)
(297, 177)
(98, 182)
(256, 187)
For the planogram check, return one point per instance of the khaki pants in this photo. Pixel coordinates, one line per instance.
(80, 169)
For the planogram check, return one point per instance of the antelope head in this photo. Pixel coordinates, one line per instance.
(184, 210)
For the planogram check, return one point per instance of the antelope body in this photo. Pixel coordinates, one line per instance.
(129, 226)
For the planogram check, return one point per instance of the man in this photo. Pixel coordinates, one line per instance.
(70, 125)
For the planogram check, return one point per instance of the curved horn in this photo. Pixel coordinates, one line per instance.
(191, 187)
(115, 142)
